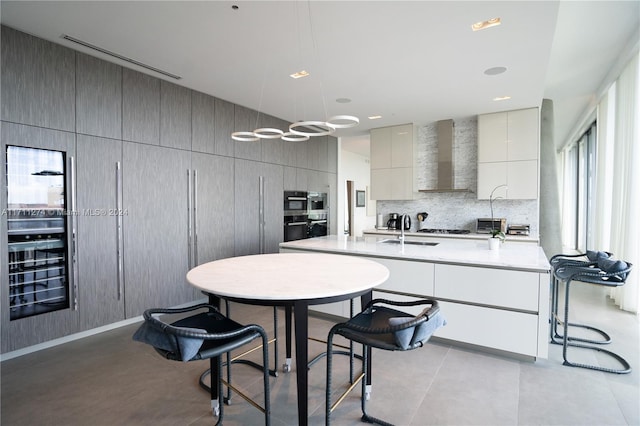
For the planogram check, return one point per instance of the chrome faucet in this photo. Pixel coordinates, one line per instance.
(401, 237)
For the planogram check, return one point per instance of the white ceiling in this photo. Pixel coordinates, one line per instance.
(414, 61)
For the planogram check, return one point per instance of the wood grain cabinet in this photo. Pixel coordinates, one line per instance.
(100, 233)
(175, 116)
(156, 240)
(212, 207)
(508, 146)
(98, 97)
(258, 207)
(392, 163)
(140, 107)
(38, 79)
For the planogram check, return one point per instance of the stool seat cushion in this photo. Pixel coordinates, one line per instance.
(595, 256)
(420, 334)
(187, 347)
(612, 266)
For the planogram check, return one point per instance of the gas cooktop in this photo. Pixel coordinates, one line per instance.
(445, 231)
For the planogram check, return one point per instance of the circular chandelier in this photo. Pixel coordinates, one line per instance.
(299, 131)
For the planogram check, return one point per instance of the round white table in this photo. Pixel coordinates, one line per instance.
(295, 281)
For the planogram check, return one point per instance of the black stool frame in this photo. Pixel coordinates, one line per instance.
(570, 260)
(215, 344)
(613, 279)
(372, 337)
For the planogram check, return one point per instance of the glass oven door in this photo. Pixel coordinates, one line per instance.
(296, 227)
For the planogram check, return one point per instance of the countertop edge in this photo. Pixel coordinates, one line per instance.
(356, 247)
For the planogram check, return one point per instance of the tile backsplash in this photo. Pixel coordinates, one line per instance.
(456, 210)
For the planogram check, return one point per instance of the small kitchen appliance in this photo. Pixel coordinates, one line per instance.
(407, 223)
(422, 218)
(485, 225)
(392, 223)
(518, 230)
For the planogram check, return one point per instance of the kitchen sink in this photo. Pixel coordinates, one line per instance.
(412, 242)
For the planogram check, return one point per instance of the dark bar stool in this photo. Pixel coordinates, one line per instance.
(206, 335)
(582, 260)
(382, 327)
(608, 273)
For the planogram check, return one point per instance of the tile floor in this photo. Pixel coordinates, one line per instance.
(108, 379)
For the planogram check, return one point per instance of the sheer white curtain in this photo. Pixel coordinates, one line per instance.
(618, 180)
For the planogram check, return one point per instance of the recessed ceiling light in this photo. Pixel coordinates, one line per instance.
(485, 24)
(299, 74)
(495, 70)
(374, 117)
(502, 98)
(343, 100)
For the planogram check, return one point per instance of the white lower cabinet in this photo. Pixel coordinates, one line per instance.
(488, 286)
(499, 309)
(493, 328)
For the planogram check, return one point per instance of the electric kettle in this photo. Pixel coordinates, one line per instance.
(407, 223)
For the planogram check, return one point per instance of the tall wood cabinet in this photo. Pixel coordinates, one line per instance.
(156, 241)
(213, 207)
(101, 295)
(508, 147)
(258, 207)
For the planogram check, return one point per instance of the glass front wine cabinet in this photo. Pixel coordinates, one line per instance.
(37, 226)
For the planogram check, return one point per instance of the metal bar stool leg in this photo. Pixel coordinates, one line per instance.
(566, 343)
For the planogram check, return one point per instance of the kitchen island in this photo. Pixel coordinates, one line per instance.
(498, 300)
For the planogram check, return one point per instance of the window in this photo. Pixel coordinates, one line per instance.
(578, 192)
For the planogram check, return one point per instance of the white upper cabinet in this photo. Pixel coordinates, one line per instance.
(392, 157)
(508, 146)
(381, 148)
(508, 136)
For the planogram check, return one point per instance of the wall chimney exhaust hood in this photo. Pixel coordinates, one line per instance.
(446, 170)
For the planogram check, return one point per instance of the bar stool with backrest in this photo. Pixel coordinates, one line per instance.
(206, 335)
(582, 260)
(382, 327)
(608, 273)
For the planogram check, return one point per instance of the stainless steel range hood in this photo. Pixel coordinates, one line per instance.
(446, 170)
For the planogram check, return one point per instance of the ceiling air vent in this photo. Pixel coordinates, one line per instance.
(117, 56)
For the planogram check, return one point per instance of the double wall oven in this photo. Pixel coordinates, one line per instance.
(305, 215)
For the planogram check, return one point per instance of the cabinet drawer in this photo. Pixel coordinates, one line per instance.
(408, 277)
(493, 328)
(485, 286)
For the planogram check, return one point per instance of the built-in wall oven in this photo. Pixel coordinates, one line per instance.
(295, 201)
(296, 225)
(305, 215)
(317, 210)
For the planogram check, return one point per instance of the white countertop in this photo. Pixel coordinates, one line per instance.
(525, 257)
(470, 236)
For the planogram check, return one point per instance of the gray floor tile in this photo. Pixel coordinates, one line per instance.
(108, 379)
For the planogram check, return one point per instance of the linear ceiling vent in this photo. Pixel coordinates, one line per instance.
(117, 56)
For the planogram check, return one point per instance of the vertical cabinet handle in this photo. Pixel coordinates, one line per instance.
(119, 239)
(261, 222)
(74, 232)
(189, 220)
(195, 217)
